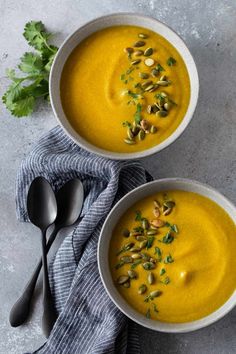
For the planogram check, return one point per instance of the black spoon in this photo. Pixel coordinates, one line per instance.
(69, 204)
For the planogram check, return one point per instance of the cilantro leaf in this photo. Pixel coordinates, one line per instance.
(31, 63)
(137, 115)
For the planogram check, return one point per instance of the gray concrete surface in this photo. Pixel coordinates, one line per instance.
(206, 151)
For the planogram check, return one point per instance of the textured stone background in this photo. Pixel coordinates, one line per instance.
(206, 151)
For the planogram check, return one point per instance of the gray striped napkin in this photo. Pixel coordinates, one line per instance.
(88, 322)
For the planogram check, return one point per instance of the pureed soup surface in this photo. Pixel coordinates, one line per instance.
(193, 268)
(101, 89)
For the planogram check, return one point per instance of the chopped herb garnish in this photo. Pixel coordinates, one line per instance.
(129, 71)
(133, 95)
(158, 251)
(159, 68)
(150, 241)
(160, 97)
(138, 216)
(125, 248)
(148, 314)
(171, 61)
(136, 263)
(137, 115)
(162, 271)
(122, 77)
(155, 307)
(168, 259)
(168, 238)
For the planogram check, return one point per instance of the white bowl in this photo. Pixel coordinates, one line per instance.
(103, 250)
(113, 20)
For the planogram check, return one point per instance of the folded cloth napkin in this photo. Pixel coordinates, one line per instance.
(88, 322)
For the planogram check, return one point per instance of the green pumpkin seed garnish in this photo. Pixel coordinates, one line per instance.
(129, 141)
(150, 88)
(122, 279)
(148, 265)
(130, 134)
(139, 44)
(163, 78)
(136, 256)
(151, 278)
(162, 114)
(135, 130)
(146, 83)
(141, 135)
(137, 53)
(136, 263)
(145, 224)
(125, 248)
(142, 35)
(132, 274)
(154, 72)
(151, 232)
(168, 259)
(171, 61)
(141, 238)
(148, 52)
(149, 62)
(128, 50)
(119, 265)
(155, 293)
(144, 75)
(158, 223)
(135, 249)
(167, 106)
(126, 259)
(142, 289)
(145, 257)
(169, 204)
(168, 238)
(148, 314)
(162, 83)
(126, 284)
(143, 244)
(149, 109)
(153, 129)
(162, 271)
(135, 62)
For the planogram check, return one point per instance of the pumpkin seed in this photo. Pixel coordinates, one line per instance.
(145, 224)
(143, 35)
(129, 141)
(139, 44)
(128, 50)
(163, 94)
(153, 260)
(158, 223)
(137, 53)
(143, 244)
(154, 72)
(126, 259)
(162, 83)
(148, 265)
(125, 233)
(150, 88)
(167, 211)
(126, 284)
(149, 62)
(162, 113)
(142, 289)
(146, 83)
(156, 212)
(148, 52)
(155, 108)
(151, 278)
(144, 124)
(135, 62)
(132, 274)
(144, 75)
(145, 257)
(151, 232)
(149, 109)
(141, 238)
(156, 204)
(155, 293)
(169, 204)
(167, 106)
(135, 249)
(141, 135)
(122, 279)
(130, 133)
(153, 129)
(135, 130)
(163, 78)
(136, 256)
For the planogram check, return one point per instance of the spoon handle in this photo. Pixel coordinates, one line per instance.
(49, 311)
(21, 308)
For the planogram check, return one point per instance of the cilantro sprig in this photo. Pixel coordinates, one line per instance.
(23, 92)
